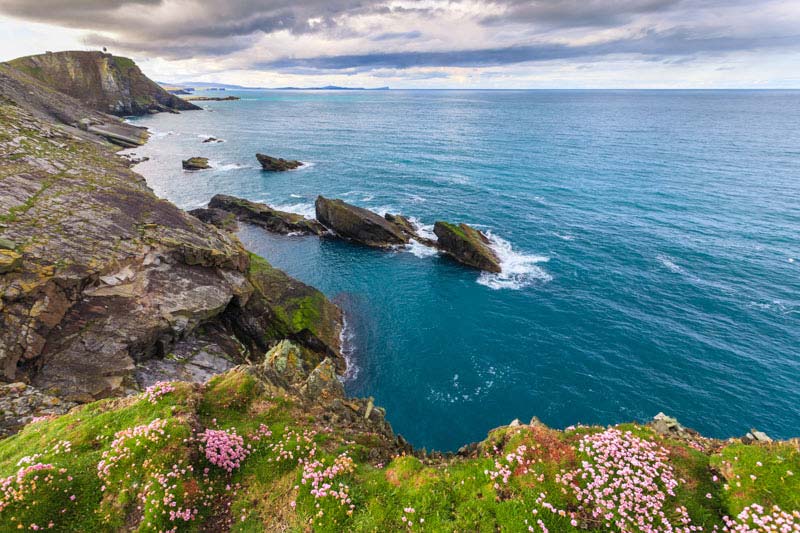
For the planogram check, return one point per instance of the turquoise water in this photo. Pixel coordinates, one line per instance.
(650, 241)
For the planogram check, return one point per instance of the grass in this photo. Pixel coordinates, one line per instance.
(271, 490)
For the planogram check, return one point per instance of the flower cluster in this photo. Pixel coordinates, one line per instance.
(224, 449)
(625, 484)
(263, 432)
(408, 518)
(22, 494)
(155, 392)
(319, 477)
(293, 446)
(754, 519)
(126, 441)
(503, 470)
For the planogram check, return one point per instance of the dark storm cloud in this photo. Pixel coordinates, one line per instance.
(577, 13)
(204, 28)
(680, 43)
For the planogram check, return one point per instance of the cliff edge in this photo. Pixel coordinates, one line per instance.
(104, 82)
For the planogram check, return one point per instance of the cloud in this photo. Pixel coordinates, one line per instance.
(680, 42)
(421, 38)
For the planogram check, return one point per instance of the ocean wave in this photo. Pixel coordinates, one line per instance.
(418, 249)
(161, 134)
(346, 339)
(519, 270)
(669, 262)
(306, 209)
(225, 167)
(564, 236)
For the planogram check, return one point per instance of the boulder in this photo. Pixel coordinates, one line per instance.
(266, 217)
(9, 261)
(276, 164)
(358, 224)
(467, 245)
(6, 244)
(195, 163)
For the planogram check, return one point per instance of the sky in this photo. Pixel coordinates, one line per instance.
(502, 44)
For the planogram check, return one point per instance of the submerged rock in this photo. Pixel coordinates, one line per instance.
(467, 245)
(277, 164)
(266, 217)
(195, 163)
(358, 224)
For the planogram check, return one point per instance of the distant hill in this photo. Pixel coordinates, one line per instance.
(206, 86)
(101, 81)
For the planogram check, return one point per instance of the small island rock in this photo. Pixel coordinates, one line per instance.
(358, 224)
(196, 163)
(276, 164)
(467, 245)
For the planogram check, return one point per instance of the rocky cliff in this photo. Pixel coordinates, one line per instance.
(99, 278)
(103, 82)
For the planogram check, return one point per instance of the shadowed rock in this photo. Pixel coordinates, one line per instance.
(216, 217)
(407, 227)
(467, 245)
(276, 164)
(266, 217)
(358, 224)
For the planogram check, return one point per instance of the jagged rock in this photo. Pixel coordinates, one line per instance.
(113, 277)
(667, 425)
(212, 140)
(467, 245)
(282, 307)
(755, 436)
(9, 261)
(288, 361)
(20, 404)
(266, 217)
(6, 244)
(102, 81)
(358, 224)
(195, 359)
(216, 217)
(323, 383)
(195, 163)
(276, 164)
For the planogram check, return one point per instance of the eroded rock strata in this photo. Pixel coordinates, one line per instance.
(277, 164)
(102, 276)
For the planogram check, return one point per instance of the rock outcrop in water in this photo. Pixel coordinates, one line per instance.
(101, 81)
(195, 163)
(358, 224)
(103, 277)
(466, 245)
(266, 217)
(276, 164)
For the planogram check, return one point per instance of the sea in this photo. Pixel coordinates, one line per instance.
(650, 246)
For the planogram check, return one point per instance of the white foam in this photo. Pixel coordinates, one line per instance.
(305, 209)
(295, 195)
(565, 236)
(519, 270)
(418, 249)
(668, 262)
(791, 259)
(225, 167)
(348, 348)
